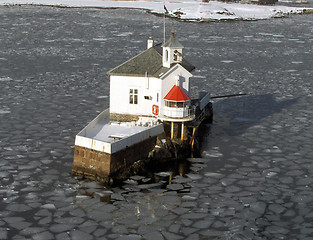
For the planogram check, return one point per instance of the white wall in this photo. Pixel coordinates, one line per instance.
(169, 80)
(119, 94)
(168, 56)
(120, 85)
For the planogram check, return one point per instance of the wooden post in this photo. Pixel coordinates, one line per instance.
(192, 141)
(172, 130)
(182, 132)
(170, 179)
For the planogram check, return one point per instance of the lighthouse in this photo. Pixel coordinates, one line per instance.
(149, 100)
(155, 83)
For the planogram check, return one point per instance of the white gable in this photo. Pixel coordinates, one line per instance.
(170, 78)
(176, 69)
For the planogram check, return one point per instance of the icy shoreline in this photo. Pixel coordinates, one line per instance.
(182, 10)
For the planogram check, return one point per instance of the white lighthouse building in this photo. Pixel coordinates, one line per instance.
(155, 83)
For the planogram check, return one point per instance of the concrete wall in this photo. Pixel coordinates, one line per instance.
(123, 143)
(100, 165)
(96, 124)
(137, 138)
(205, 101)
(91, 163)
(85, 137)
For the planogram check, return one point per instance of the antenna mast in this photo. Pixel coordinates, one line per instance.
(165, 10)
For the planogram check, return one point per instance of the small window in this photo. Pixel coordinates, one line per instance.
(157, 97)
(166, 55)
(148, 97)
(133, 96)
(171, 104)
(180, 104)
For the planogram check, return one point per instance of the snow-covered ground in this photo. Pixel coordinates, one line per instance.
(192, 10)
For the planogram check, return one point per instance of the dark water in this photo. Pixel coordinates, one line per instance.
(254, 180)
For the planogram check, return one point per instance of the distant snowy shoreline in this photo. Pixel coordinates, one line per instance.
(180, 9)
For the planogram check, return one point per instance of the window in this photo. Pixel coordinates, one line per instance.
(166, 55)
(170, 104)
(157, 97)
(147, 97)
(180, 104)
(133, 96)
(173, 104)
(175, 55)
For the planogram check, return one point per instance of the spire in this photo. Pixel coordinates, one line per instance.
(173, 42)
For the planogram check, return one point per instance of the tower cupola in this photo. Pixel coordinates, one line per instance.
(172, 51)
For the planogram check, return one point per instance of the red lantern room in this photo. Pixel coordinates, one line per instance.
(176, 103)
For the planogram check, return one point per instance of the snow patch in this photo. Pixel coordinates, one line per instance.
(183, 9)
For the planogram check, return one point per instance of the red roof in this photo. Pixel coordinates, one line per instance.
(176, 94)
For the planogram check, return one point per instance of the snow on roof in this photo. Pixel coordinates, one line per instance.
(176, 94)
(108, 132)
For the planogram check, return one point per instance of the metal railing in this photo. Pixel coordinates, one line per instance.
(172, 112)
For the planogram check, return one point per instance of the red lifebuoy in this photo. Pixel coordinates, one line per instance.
(155, 109)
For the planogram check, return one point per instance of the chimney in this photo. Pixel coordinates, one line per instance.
(177, 80)
(150, 43)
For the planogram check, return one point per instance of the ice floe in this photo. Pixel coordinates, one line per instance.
(254, 179)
